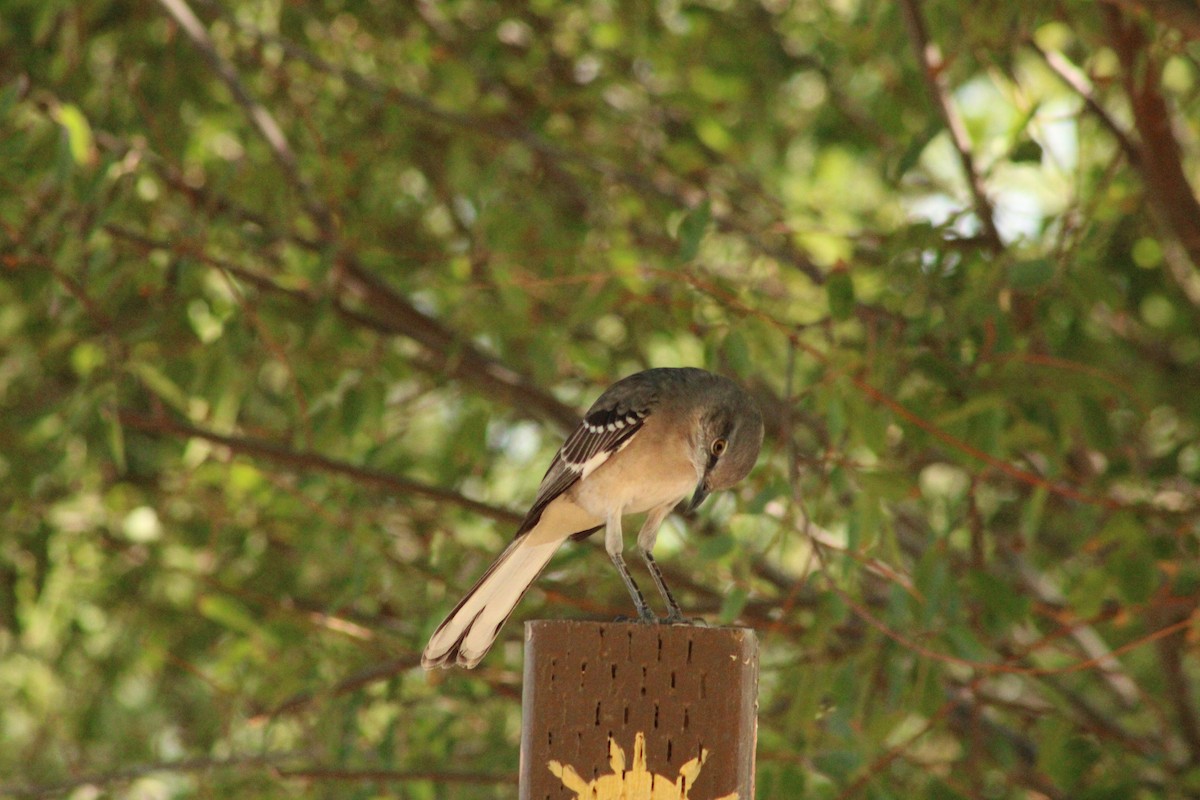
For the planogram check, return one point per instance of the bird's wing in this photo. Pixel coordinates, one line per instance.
(609, 426)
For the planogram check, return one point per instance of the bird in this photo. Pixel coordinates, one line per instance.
(649, 441)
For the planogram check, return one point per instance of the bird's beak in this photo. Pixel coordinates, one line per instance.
(698, 497)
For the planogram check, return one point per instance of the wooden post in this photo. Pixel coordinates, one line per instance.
(654, 711)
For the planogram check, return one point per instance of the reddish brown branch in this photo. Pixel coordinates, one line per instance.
(1171, 651)
(933, 70)
(392, 314)
(259, 116)
(1182, 15)
(458, 359)
(304, 460)
(1167, 188)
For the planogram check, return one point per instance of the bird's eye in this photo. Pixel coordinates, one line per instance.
(718, 446)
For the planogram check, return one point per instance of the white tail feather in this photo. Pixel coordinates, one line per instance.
(466, 635)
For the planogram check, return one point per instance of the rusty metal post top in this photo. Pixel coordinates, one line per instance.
(615, 708)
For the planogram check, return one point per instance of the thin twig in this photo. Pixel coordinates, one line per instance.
(259, 116)
(1073, 77)
(933, 69)
(1086, 636)
(458, 358)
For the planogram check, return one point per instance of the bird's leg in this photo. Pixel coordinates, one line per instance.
(613, 543)
(646, 539)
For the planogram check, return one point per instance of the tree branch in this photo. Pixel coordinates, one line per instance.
(457, 358)
(300, 459)
(1182, 15)
(1167, 188)
(933, 70)
(259, 116)
(392, 314)
(1171, 651)
(1071, 75)
(1086, 637)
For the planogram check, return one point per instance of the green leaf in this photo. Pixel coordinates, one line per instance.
(1121, 528)
(1096, 422)
(838, 763)
(886, 485)
(692, 229)
(1135, 571)
(79, 132)
(353, 404)
(738, 352)
(1090, 592)
(162, 386)
(943, 791)
(1067, 757)
(732, 604)
(8, 97)
(717, 547)
(714, 134)
(1031, 274)
(840, 291)
(986, 429)
(964, 644)
(916, 146)
(1027, 151)
(1003, 605)
(116, 442)
(227, 612)
(936, 369)
(835, 416)
(1187, 581)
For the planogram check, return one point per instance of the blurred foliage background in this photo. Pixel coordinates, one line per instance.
(297, 299)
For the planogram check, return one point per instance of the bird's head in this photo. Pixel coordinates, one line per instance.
(730, 434)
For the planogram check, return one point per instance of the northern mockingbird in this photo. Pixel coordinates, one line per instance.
(648, 442)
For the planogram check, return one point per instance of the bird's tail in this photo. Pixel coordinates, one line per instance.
(466, 635)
